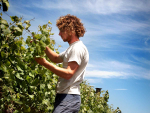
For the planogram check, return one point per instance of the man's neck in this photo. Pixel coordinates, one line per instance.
(73, 39)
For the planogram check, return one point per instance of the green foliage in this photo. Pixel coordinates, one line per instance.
(92, 102)
(5, 4)
(25, 86)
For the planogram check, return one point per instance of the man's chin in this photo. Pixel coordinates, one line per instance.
(65, 40)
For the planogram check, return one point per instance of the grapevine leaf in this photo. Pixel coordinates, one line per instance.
(28, 109)
(49, 86)
(3, 54)
(31, 75)
(43, 38)
(53, 42)
(16, 111)
(2, 21)
(28, 78)
(31, 96)
(2, 26)
(18, 31)
(43, 45)
(18, 102)
(27, 26)
(45, 101)
(28, 40)
(19, 69)
(35, 82)
(4, 68)
(49, 22)
(20, 25)
(27, 21)
(45, 32)
(42, 86)
(38, 36)
(6, 31)
(14, 19)
(19, 77)
(47, 41)
(57, 51)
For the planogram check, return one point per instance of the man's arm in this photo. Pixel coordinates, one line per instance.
(54, 57)
(62, 72)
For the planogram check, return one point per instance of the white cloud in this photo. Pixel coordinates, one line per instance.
(105, 74)
(97, 6)
(116, 26)
(93, 81)
(116, 69)
(141, 60)
(120, 89)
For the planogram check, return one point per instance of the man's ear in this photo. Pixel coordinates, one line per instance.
(72, 33)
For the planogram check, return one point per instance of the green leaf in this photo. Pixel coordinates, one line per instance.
(4, 68)
(31, 96)
(28, 40)
(49, 22)
(27, 26)
(14, 19)
(42, 86)
(47, 41)
(53, 42)
(49, 86)
(3, 54)
(19, 77)
(31, 75)
(2, 21)
(38, 36)
(27, 21)
(43, 45)
(16, 111)
(6, 31)
(57, 51)
(28, 79)
(3, 26)
(35, 82)
(20, 25)
(28, 109)
(45, 101)
(43, 38)
(38, 49)
(6, 3)
(18, 31)
(45, 32)
(19, 69)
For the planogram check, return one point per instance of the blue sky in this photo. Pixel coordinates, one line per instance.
(117, 38)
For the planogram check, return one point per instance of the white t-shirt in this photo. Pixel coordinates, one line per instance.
(78, 52)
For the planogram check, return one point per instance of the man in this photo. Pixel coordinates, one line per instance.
(74, 59)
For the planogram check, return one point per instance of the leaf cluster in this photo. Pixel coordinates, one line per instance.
(25, 86)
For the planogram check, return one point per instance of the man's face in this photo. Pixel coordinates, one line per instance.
(64, 35)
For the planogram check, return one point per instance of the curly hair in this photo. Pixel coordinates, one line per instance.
(71, 23)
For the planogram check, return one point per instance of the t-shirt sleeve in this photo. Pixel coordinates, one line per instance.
(61, 55)
(75, 55)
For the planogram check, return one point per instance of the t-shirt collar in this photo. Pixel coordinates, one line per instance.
(74, 43)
